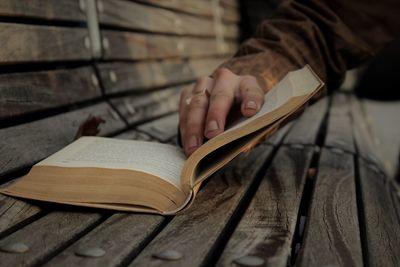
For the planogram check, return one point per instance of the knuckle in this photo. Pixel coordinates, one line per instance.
(202, 80)
(198, 101)
(223, 72)
(221, 96)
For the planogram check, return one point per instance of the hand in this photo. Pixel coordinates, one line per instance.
(204, 107)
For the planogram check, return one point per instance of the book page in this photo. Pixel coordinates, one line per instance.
(295, 83)
(164, 161)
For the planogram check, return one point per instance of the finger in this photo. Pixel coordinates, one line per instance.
(183, 107)
(221, 100)
(251, 96)
(195, 116)
(194, 126)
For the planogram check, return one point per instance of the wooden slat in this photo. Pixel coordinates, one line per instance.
(366, 148)
(339, 125)
(136, 109)
(230, 11)
(381, 222)
(25, 144)
(46, 235)
(203, 8)
(305, 128)
(163, 129)
(13, 212)
(135, 46)
(136, 16)
(25, 43)
(382, 118)
(332, 236)
(121, 77)
(197, 231)
(134, 134)
(267, 228)
(63, 10)
(122, 236)
(27, 92)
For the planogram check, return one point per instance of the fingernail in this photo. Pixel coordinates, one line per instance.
(192, 142)
(251, 105)
(212, 126)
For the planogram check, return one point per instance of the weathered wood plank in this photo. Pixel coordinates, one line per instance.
(136, 109)
(339, 125)
(135, 46)
(366, 148)
(203, 8)
(45, 43)
(267, 227)
(134, 134)
(121, 77)
(23, 93)
(196, 232)
(120, 13)
(381, 222)
(163, 129)
(122, 236)
(384, 122)
(14, 212)
(305, 128)
(332, 235)
(276, 139)
(63, 10)
(46, 236)
(25, 144)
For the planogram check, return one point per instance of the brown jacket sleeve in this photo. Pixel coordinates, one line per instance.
(330, 35)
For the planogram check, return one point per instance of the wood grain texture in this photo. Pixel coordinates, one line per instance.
(381, 219)
(25, 144)
(24, 93)
(339, 125)
(267, 227)
(136, 109)
(25, 43)
(305, 128)
(332, 236)
(366, 147)
(46, 235)
(203, 8)
(162, 129)
(14, 212)
(142, 76)
(136, 46)
(65, 10)
(122, 236)
(195, 232)
(137, 16)
(382, 118)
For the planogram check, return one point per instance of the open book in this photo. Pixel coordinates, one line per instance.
(151, 177)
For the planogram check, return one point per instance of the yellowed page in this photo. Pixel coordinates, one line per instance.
(161, 160)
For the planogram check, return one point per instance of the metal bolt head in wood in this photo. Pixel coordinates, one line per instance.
(113, 76)
(106, 43)
(297, 146)
(249, 261)
(337, 150)
(100, 6)
(168, 255)
(14, 248)
(87, 43)
(90, 252)
(82, 5)
(95, 81)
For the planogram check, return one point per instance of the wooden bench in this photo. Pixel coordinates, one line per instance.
(314, 194)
